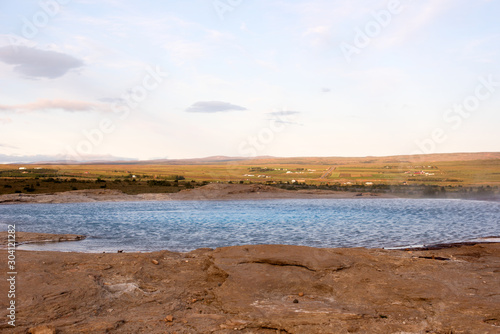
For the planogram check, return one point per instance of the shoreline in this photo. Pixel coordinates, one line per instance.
(258, 289)
(205, 193)
(208, 192)
(28, 238)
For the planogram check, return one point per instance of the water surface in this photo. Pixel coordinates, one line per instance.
(187, 225)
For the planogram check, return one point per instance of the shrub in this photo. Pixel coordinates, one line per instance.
(29, 189)
(159, 183)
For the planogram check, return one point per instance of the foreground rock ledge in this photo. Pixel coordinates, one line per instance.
(30, 237)
(259, 289)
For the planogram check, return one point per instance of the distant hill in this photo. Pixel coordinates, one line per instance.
(218, 160)
(58, 159)
(222, 160)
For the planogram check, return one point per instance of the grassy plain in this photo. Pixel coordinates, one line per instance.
(452, 171)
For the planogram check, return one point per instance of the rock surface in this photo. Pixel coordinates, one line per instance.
(252, 289)
(31, 237)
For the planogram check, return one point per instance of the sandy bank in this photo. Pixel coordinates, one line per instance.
(259, 289)
(209, 192)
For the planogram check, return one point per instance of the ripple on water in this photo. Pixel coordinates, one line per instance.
(187, 225)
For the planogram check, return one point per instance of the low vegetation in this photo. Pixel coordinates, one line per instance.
(435, 176)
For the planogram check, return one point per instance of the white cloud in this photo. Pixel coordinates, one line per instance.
(213, 106)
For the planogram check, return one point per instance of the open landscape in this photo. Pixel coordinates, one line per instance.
(455, 175)
(265, 166)
(442, 289)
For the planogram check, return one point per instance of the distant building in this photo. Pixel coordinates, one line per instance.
(369, 183)
(22, 167)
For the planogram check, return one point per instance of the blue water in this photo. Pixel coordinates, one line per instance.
(187, 225)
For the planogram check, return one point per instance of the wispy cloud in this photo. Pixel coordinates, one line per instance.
(64, 105)
(214, 106)
(421, 16)
(283, 113)
(288, 117)
(5, 120)
(35, 63)
(7, 146)
(112, 100)
(318, 35)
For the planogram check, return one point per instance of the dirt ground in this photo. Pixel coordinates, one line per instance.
(256, 289)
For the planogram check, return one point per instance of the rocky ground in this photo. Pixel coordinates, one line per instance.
(30, 237)
(257, 289)
(214, 191)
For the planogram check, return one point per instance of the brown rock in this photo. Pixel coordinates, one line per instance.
(44, 329)
(155, 262)
(257, 286)
(169, 318)
(301, 294)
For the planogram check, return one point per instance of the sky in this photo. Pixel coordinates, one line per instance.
(88, 79)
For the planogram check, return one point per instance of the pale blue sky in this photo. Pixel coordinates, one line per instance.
(253, 78)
